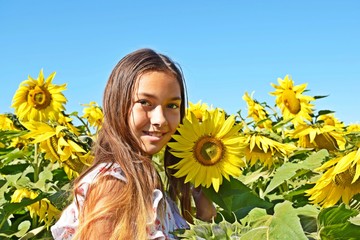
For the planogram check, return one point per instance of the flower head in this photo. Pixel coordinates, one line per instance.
(43, 208)
(292, 103)
(66, 121)
(39, 99)
(353, 128)
(198, 109)
(57, 145)
(209, 150)
(340, 180)
(93, 113)
(257, 112)
(319, 136)
(6, 123)
(331, 120)
(266, 150)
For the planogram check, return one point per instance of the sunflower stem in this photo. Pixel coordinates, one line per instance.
(36, 164)
(88, 132)
(4, 220)
(34, 220)
(284, 187)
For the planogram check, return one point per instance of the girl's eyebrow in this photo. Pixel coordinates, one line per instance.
(149, 95)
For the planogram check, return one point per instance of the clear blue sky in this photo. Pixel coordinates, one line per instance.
(224, 47)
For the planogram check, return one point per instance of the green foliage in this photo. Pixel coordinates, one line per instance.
(235, 197)
(201, 230)
(33, 188)
(334, 223)
(290, 169)
(268, 201)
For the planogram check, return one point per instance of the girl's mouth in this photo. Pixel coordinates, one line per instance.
(154, 134)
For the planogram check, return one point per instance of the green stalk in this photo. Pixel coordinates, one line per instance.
(36, 164)
(4, 220)
(85, 125)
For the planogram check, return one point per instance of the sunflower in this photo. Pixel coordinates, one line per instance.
(209, 150)
(292, 103)
(57, 145)
(43, 208)
(331, 120)
(266, 150)
(353, 128)
(93, 113)
(257, 112)
(39, 99)
(339, 181)
(6, 123)
(198, 109)
(66, 121)
(319, 136)
(71, 168)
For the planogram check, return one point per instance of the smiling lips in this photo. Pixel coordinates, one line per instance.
(154, 134)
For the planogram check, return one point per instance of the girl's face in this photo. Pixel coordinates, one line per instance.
(155, 113)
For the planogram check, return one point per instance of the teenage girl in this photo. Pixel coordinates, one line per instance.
(121, 195)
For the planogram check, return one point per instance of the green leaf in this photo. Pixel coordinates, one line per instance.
(308, 217)
(211, 230)
(32, 233)
(13, 168)
(3, 189)
(334, 223)
(45, 176)
(12, 155)
(235, 197)
(324, 112)
(60, 177)
(60, 199)
(253, 176)
(355, 220)
(9, 134)
(284, 224)
(281, 124)
(19, 180)
(322, 96)
(289, 169)
(22, 229)
(308, 210)
(10, 208)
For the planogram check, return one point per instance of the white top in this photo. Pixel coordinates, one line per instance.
(66, 226)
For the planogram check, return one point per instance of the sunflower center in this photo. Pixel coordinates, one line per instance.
(209, 150)
(291, 102)
(345, 178)
(39, 97)
(326, 141)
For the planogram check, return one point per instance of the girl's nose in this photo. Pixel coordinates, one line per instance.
(157, 117)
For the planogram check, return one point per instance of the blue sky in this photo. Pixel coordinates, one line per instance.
(225, 48)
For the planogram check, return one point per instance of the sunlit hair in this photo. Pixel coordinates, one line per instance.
(125, 208)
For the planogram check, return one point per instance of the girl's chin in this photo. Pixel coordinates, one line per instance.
(152, 149)
(151, 152)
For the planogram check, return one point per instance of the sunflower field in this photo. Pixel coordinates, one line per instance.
(280, 171)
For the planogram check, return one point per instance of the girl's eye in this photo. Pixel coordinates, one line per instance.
(173, 106)
(144, 102)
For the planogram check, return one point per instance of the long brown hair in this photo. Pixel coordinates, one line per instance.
(130, 204)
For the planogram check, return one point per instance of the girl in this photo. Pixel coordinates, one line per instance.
(121, 195)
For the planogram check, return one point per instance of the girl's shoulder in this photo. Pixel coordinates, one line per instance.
(103, 169)
(66, 226)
